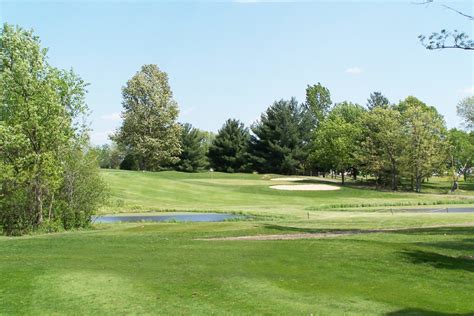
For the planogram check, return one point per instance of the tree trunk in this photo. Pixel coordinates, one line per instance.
(50, 207)
(342, 176)
(39, 206)
(418, 184)
(394, 178)
(455, 186)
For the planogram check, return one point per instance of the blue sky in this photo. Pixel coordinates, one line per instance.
(233, 59)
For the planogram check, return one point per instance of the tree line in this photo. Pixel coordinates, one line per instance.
(396, 144)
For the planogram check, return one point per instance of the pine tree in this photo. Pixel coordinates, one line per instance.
(229, 149)
(377, 99)
(278, 144)
(194, 149)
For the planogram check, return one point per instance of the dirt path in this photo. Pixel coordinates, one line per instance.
(332, 234)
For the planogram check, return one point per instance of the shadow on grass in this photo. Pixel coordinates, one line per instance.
(428, 231)
(308, 230)
(291, 229)
(419, 311)
(440, 261)
(467, 230)
(463, 244)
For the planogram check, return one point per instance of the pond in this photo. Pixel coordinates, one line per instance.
(196, 217)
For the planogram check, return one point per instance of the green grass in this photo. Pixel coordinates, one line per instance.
(425, 266)
(161, 269)
(162, 191)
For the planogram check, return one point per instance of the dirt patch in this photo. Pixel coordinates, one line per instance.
(287, 236)
(305, 187)
(332, 234)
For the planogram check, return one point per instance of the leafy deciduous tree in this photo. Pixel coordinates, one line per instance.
(461, 149)
(382, 149)
(318, 102)
(109, 156)
(41, 113)
(149, 132)
(465, 110)
(425, 151)
(337, 139)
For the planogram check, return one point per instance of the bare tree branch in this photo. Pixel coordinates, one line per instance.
(423, 2)
(470, 17)
(428, 2)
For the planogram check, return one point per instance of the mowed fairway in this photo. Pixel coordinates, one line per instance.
(164, 191)
(424, 266)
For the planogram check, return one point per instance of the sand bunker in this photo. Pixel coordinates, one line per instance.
(287, 179)
(305, 187)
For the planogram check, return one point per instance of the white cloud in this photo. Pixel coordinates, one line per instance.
(111, 117)
(468, 90)
(354, 70)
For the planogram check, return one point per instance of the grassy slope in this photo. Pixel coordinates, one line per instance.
(135, 191)
(159, 268)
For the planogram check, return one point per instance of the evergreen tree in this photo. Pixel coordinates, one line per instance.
(194, 149)
(229, 149)
(279, 141)
(377, 99)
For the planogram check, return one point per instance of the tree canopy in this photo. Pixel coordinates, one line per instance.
(318, 102)
(377, 99)
(229, 151)
(43, 145)
(149, 133)
(465, 110)
(382, 146)
(336, 141)
(279, 140)
(194, 149)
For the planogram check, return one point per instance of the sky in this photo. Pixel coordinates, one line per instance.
(233, 59)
